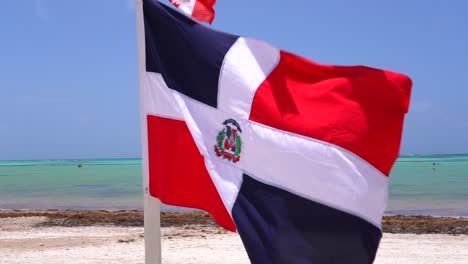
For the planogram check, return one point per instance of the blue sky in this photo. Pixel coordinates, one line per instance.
(68, 69)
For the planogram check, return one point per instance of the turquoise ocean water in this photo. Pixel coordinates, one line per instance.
(432, 185)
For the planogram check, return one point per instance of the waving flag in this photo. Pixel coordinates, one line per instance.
(200, 10)
(291, 154)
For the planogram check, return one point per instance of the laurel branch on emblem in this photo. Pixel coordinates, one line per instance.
(229, 141)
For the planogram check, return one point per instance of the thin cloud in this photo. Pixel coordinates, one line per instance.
(30, 99)
(423, 106)
(130, 4)
(40, 10)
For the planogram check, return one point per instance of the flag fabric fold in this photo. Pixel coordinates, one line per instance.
(291, 154)
(200, 10)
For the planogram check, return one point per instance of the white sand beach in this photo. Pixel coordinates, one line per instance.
(23, 241)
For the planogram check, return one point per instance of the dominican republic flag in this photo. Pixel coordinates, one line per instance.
(200, 10)
(291, 154)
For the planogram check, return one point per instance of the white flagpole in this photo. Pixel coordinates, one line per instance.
(152, 221)
(152, 231)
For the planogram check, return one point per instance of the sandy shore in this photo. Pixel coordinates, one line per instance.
(117, 237)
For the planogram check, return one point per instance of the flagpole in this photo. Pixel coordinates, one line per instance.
(152, 230)
(151, 209)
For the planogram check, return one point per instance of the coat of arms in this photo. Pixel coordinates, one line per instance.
(229, 141)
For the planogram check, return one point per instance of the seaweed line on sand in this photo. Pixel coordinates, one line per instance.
(70, 218)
